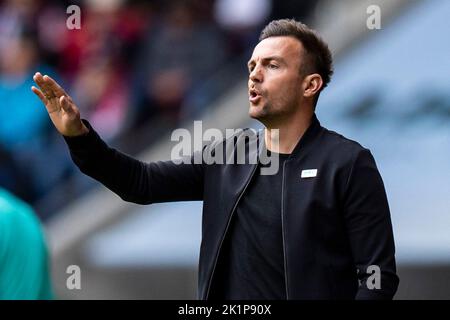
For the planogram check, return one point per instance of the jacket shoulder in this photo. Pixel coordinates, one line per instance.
(338, 144)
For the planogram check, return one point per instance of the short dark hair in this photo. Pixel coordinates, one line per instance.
(318, 57)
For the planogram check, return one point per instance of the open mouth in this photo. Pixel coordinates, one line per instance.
(254, 96)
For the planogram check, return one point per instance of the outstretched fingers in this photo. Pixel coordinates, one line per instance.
(49, 88)
(54, 86)
(46, 91)
(39, 94)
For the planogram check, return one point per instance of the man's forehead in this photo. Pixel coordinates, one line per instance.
(283, 46)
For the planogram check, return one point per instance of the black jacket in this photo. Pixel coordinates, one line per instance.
(334, 225)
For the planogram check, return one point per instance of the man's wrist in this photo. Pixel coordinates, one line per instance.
(84, 130)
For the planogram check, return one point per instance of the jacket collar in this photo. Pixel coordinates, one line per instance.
(307, 138)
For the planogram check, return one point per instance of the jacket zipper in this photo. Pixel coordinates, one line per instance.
(226, 230)
(283, 233)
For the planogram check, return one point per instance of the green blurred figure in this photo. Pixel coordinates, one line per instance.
(24, 271)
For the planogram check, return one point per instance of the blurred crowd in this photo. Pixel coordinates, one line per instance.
(131, 65)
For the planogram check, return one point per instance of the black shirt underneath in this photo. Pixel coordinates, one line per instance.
(251, 263)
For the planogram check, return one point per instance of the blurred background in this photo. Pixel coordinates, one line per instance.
(140, 69)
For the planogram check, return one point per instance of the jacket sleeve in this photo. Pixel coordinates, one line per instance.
(369, 227)
(134, 180)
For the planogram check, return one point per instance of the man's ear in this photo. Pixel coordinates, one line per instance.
(312, 84)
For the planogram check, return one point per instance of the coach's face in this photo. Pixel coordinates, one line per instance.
(275, 82)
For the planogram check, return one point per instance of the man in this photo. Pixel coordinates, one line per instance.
(319, 228)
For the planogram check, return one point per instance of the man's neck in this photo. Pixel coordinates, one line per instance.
(284, 137)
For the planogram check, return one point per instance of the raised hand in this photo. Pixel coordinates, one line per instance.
(63, 112)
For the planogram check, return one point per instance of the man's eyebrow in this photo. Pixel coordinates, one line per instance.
(277, 58)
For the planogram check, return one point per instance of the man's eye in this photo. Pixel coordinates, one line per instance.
(273, 66)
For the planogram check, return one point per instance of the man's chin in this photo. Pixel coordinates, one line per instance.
(254, 114)
(258, 114)
(256, 111)
(262, 114)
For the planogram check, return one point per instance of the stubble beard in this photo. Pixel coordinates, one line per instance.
(271, 117)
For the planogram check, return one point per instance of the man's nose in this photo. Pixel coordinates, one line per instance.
(256, 75)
